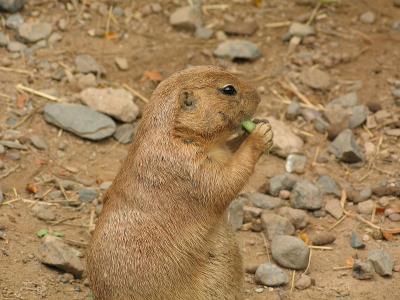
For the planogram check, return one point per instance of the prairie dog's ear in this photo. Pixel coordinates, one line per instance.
(187, 100)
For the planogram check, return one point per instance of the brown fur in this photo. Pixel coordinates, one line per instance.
(162, 233)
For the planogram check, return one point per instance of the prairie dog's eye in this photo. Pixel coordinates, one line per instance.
(228, 90)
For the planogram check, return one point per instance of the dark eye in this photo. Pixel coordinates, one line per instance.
(228, 90)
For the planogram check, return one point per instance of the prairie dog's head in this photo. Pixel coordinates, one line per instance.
(212, 102)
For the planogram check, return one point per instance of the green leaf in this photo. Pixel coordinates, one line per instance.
(57, 234)
(248, 125)
(42, 233)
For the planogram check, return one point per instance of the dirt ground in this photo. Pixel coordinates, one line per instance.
(149, 43)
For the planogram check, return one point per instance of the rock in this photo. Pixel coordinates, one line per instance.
(105, 185)
(374, 106)
(1, 200)
(306, 195)
(393, 132)
(396, 3)
(87, 64)
(85, 81)
(241, 28)
(363, 195)
(14, 46)
(345, 148)
(304, 282)
(301, 30)
(368, 17)
(393, 217)
(328, 186)
(204, 33)
(356, 242)
(347, 100)
(237, 49)
(68, 185)
(284, 194)
(43, 212)
(13, 145)
(293, 110)
(316, 79)
(366, 207)
(3, 40)
(12, 6)
(382, 262)
(264, 201)
(186, 18)
(55, 252)
(14, 21)
(62, 24)
(276, 225)
(122, 63)
(396, 25)
(88, 195)
(235, 212)
(55, 37)
(333, 207)
(80, 120)
(363, 270)
(34, 32)
(322, 238)
(359, 115)
(386, 189)
(271, 275)
(285, 141)
(290, 252)
(38, 142)
(117, 103)
(297, 217)
(296, 163)
(124, 133)
(281, 182)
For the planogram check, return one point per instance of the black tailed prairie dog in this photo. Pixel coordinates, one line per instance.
(162, 234)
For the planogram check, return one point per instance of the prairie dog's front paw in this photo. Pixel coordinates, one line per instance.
(263, 131)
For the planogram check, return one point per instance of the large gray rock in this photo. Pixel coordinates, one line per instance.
(306, 195)
(125, 133)
(55, 252)
(296, 163)
(87, 64)
(328, 186)
(274, 225)
(345, 147)
(347, 100)
(285, 141)
(297, 217)
(14, 21)
(316, 79)
(186, 18)
(34, 32)
(117, 103)
(382, 261)
(237, 49)
(290, 252)
(271, 275)
(281, 182)
(80, 120)
(12, 6)
(264, 201)
(301, 30)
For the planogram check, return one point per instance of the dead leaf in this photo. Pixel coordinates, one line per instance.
(257, 3)
(21, 100)
(111, 36)
(379, 210)
(153, 75)
(32, 188)
(388, 236)
(305, 238)
(350, 262)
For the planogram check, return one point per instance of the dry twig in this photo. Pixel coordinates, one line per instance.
(37, 93)
(136, 93)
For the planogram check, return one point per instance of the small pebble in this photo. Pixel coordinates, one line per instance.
(355, 241)
(304, 282)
